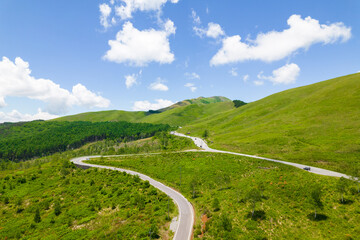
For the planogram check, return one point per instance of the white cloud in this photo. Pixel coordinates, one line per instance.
(158, 86)
(146, 105)
(233, 72)
(274, 45)
(286, 74)
(195, 17)
(125, 10)
(213, 30)
(16, 116)
(86, 98)
(141, 47)
(112, 2)
(105, 12)
(131, 80)
(192, 75)
(16, 81)
(258, 83)
(191, 86)
(246, 77)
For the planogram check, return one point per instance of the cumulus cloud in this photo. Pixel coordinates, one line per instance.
(192, 75)
(146, 105)
(16, 81)
(126, 9)
(233, 72)
(286, 74)
(191, 86)
(139, 48)
(213, 30)
(272, 46)
(16, 116)
(105, 12)
(158, 85)
(131, 80)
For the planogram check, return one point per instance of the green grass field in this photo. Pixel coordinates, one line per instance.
(178, 114)
(318, 125)
(283, 212)
(79, 204)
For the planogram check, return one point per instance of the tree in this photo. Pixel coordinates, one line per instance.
(37, 217)
(205, 134)
(315, 199)
(216, 205)
(57, 208)
(342, 186)
(356, 177)
(238, 103)
(226, 223)
(254, 196)
(193, 186)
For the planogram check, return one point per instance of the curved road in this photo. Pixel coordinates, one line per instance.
(201, 143)
(186, 211)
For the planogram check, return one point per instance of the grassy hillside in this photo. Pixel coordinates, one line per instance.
(72, 203)
(219, 187)
(318, 124)
(176, 115)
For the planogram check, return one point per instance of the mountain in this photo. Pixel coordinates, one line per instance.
(318, 124)
(178, 114)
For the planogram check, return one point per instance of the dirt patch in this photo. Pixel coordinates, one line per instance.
(204, 219)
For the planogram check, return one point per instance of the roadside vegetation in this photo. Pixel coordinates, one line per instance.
(241, 198)
(49, 198)
(160, 142)
(21, 141)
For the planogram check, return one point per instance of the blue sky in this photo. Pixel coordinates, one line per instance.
(66, 57)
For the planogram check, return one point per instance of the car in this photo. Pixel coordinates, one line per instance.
(307, 168)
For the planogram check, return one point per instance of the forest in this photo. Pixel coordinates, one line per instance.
(22, 141)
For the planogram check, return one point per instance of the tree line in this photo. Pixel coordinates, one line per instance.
(38, 138)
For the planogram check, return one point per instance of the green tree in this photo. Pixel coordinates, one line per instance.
(37, 217)
(193, 186)
(342, 186)
(356, 177)
(238, 103)
(216, 205)
(315, 199)
(226, 223)
(57, 208)
(205, 134)
(254, 196)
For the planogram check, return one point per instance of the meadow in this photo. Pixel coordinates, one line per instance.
(223, 187)
(49, 198)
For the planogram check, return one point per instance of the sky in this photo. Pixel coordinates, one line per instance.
(66, 57)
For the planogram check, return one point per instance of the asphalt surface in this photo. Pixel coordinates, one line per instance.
(186, 211)
(202, 144)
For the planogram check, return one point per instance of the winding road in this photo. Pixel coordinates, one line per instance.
(201, 143)
(186, 211)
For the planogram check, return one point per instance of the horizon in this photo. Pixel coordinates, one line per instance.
(59, 59)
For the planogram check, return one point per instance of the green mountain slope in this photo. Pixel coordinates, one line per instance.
(177, 115)
(317, 125)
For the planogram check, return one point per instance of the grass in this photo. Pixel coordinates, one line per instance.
(161, 142)
(318, 125)
(284, 211)
(178, 114)
(79, 204)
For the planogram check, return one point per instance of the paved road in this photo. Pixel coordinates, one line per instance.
(200, 143)
(186, 211)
